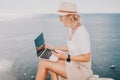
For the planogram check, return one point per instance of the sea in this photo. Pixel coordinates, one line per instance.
(18, 59)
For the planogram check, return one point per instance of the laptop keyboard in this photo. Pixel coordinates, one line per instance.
(46, 54)
(40, 52)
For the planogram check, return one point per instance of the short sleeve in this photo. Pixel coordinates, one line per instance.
(83, 41)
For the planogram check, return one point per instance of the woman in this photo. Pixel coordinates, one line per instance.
(77, 64)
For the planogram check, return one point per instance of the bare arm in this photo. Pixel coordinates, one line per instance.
(81, 58)
(62, 48)
(78, 58)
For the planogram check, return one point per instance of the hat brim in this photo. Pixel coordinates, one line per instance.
(64, 14)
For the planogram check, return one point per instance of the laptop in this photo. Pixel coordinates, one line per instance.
(43, 52)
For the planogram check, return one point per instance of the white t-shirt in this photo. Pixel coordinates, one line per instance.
(80, 42)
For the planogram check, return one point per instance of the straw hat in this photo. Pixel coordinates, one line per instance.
(66, 8)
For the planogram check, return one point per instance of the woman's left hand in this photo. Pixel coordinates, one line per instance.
(60, 55)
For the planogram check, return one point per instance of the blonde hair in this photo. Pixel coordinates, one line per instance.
(73, 19)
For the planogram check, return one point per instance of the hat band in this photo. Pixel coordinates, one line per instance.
(67, 11)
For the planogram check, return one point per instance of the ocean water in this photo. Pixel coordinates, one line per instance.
(18, 60)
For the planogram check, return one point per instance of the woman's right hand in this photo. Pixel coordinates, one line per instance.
(45, 46)
(49, 46)
(41, 47)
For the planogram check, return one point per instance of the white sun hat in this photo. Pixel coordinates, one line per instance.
(66, 8)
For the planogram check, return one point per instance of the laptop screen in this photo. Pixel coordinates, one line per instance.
(39, 41)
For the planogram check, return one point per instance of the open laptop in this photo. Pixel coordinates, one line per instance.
(43, 52)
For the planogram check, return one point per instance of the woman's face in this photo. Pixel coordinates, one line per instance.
(64, 20)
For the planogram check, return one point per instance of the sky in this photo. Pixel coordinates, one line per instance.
(17, 7)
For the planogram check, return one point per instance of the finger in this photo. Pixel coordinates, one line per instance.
(54, 53)
(43, 46)
(37, 49)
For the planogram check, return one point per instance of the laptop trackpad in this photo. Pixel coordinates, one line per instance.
(53, 58)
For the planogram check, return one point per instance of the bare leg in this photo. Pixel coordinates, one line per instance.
(54, 76)
(41, 71)
(45, 65)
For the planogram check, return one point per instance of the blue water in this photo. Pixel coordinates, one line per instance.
(18, 59)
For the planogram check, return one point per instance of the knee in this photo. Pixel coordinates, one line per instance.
(43, 63)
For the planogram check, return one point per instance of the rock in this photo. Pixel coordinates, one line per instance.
(112, 66)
